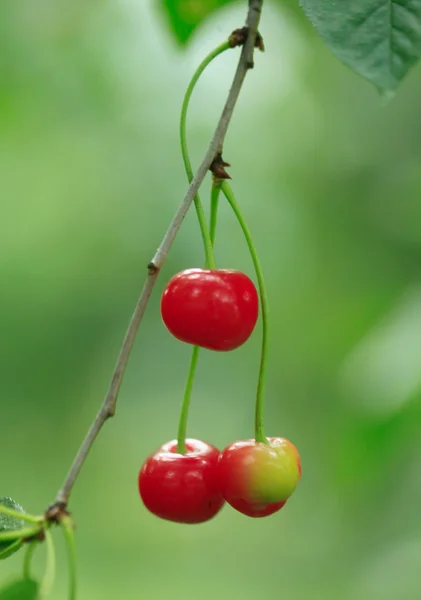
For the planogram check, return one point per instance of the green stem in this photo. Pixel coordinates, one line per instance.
(27, 559)
(259, 419)
(18, 515)
(71, 554)
(50, 571)
(207, 236)
(19, 534)
(182, 426)
(210, 261)
(209, 258)
(215, 191)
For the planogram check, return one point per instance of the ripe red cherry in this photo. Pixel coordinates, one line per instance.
(256, 478)
(214, 309)
(182, 487)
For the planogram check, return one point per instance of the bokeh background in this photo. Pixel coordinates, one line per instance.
(329, 178)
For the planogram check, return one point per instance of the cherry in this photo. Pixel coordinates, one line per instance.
(214, 309)
(182, 487)
(257, 478)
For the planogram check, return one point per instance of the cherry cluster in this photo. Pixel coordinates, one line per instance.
(187, 480)
(218, 310)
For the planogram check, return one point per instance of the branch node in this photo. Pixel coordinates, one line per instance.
(259, 43)
(152, 268)
(239, 36)
(218, 168)
(38, 537)
(56, 512)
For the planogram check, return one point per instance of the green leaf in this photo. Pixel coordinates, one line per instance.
(185, 15)
(13, 547)
(8, 523)
(24, 589)
(379, 39)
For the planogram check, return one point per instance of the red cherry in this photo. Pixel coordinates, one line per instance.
(214, 309)
(256, 478)
(182, 487)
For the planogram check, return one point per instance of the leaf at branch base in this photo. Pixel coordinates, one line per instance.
(9, 523)
(185, 15)
(24, 589)
(13, 547)
(379, 39)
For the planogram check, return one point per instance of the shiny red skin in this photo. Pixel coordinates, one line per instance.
(234, 462)
(182, 487)
(256, 510)
(213, 309)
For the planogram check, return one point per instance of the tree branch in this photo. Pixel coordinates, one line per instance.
(108, 408)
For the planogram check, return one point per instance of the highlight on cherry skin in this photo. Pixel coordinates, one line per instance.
(182, 487)
(214, 309)
(257, 478)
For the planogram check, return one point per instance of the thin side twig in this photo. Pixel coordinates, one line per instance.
(215, 148)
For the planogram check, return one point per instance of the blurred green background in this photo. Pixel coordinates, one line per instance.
(330, 181)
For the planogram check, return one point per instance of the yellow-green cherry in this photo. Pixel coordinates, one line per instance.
(257, 478)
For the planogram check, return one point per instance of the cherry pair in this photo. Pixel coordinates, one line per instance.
(187, 480)
(255, 478)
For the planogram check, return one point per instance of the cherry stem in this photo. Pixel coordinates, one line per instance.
(15, 534)
(208, 236)
(215, 191)
(210, 261)
(182, 426)
(21, 516)
(259, 418)
(28, 558)
(69, 537)
(50, 570)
